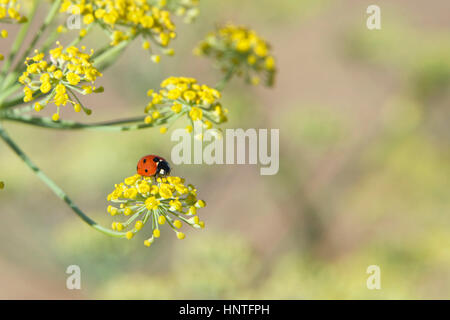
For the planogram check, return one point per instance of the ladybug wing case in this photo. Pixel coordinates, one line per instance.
(146, 166)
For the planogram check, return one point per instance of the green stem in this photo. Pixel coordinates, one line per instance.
(50, 40)
(221, 84)
(112, 53)
(79, 38)
(18, 41)
(19, 100)
(8, 92)
(114, 126)
(55, 188)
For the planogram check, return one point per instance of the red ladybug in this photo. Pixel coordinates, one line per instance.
(151, 166)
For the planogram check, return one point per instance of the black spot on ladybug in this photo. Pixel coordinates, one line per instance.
(155, 159)
(145, 160)
(146, 170)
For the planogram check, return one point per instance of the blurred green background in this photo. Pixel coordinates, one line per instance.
(364, 168)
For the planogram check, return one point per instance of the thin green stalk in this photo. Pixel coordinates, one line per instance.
(19, 100)
(79, 38)
(221, 84)
(111, 53)
(50, 40)
(8, 92)
(55, 188)
(112, 126)
(18, 41)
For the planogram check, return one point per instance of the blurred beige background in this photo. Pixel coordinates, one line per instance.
(364, 175)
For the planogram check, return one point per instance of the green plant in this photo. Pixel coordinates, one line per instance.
(61, 75)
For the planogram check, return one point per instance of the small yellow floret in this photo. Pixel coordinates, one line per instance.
(180, 235)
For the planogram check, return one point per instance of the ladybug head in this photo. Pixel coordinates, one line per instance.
(162, 166)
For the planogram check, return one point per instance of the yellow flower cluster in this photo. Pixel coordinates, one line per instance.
(179, 96)
(69, 70)
(3, 34)
(145, 201)
(182, 8)
(241, 51)
(126, 19)
(9, 11)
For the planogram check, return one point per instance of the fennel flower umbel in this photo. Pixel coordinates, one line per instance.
(65, 73)
(126, 19)
(242, 51)
(143, 201)
(179, 96)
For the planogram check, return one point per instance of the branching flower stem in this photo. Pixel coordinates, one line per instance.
(222, 83)
(55, 188)
(112, 126)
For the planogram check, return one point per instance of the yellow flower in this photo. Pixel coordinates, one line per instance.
(55, 117)
(195, 114)
(165, 190)
(165, 204)
(185, 96)
(139, 224)
(37, 106)
(125, 19)
(161, 219)
(58, 74)
(180, 235)
(184, 8)
(45, 87)
(148, 119)
(177, 107)
(70, 67)
(28, 94)
(156, 58)
(152, 203)
(270, 63)
(175, 205)
(239, 50)
(73, 78)
(129, 235)
(177, 224)
(189, 95)
(83, 33)
(10, 9)
(88, 18)
(163, 130)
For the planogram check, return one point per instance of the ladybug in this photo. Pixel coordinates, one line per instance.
(152, 166)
